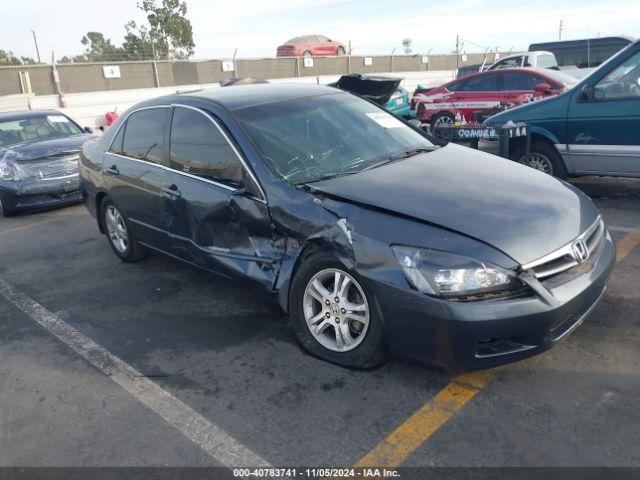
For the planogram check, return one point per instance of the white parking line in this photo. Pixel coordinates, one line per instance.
(194, 426)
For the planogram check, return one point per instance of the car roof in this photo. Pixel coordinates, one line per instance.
(23, 114)
(243, 96)
(541, 71)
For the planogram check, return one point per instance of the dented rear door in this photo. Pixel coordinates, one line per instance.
(215, 214)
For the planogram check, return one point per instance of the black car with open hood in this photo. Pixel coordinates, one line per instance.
(374, 239)
(39, 151)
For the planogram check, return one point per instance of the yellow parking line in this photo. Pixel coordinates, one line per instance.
(417, 429)
(394, 449)
(628, 243)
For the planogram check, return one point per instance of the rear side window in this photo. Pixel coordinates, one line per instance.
(144, 134)
(199, 148)
(116, 144)
(520, 81)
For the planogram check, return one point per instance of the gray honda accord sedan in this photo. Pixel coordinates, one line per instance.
(373, 238)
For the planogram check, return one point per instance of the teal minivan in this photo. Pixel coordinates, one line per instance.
(592, 128)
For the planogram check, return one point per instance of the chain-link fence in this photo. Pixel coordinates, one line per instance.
(90, 77)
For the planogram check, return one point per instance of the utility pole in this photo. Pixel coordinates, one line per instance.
(560, 29)
(457, 51)
(35, 40)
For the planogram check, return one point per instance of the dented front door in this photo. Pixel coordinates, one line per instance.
(211, 218)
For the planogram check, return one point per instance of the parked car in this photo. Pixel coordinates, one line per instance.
(310, 46)
(590, 129)
(369, 235)
(385, 91)
(487, 90)
(540, 59)
(39, 160)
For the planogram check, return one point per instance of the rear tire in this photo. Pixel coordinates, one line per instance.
(362, 346)
(544, 157)
(119, 234)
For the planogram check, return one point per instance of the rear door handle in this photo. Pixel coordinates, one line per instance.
(171, 190)
(112, 170)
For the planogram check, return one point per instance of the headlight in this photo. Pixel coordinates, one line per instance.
(7, 168)
(445, 274)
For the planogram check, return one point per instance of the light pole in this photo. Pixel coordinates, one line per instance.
(35, 40)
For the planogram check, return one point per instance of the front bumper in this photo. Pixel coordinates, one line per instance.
(483, 334)
(41, 193)
(489, 146)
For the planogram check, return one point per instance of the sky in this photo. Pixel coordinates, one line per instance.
(257, 27)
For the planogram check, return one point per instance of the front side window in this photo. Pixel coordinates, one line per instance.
(198, 147)
(513, 62)
(520, 81)
(481, 83)
(40, 127)
(312, 138)
(144, 133)
(622, 83)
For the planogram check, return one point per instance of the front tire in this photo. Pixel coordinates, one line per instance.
(334, 316)
(441, 119)
(119, 234)
(4, 210)
(340, 51)
(544, 157)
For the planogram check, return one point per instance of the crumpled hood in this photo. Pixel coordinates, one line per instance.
(520, 211)
(376, 88)
(36, 149)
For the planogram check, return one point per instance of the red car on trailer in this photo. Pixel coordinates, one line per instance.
(485, 91)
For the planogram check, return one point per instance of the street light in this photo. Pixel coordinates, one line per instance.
(35, 40)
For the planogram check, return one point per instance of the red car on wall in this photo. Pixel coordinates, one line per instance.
(485, 91)
(310, 46)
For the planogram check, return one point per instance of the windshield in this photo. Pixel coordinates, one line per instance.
(43, 127)
(312, 138)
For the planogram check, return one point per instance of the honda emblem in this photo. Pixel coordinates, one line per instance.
(580, 251)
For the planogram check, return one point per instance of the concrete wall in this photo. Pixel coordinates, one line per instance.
(88, 108)
(89, 77)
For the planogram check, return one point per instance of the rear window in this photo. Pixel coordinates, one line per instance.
(547, 61)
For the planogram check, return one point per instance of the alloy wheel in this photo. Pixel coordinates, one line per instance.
(443, 121)
(116, 229)
(336, 310)
(538, 161)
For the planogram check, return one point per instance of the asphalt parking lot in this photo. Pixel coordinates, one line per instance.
(214, 350)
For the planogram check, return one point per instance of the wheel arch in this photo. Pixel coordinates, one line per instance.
(100, 197)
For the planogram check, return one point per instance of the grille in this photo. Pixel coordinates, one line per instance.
(564, 258)
(48, 168)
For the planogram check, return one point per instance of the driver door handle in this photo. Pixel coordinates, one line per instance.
(112, 170)
(171, 191)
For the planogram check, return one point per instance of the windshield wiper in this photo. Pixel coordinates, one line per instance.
(410, 152)
(324, 177)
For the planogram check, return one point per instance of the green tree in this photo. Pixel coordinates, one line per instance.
(8, 58)
(169, 33)
(99, 49)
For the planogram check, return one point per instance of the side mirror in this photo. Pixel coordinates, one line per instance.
(88, 129)
(543, 88)
(587, 93)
